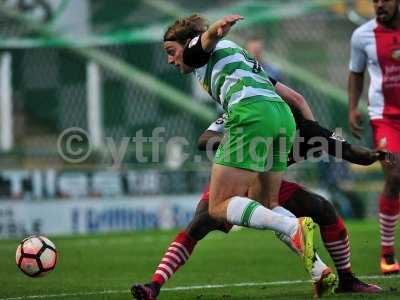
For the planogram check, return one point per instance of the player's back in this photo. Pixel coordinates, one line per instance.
(232, 75)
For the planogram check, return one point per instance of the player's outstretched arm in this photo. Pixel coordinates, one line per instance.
(340, 148)
(295, 99)
(363, 156)
(217, 31)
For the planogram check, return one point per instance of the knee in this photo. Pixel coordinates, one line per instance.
(393, 183)
(199, 227)
(394, 177)
(325, 212)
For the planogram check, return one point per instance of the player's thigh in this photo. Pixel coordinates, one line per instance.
(227, 182)
(304, 203)
(392, 179)
(266, 188)
(386, 134)
(391, 170)
(254, 191)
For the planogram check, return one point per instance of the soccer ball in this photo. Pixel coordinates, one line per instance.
(36, 256)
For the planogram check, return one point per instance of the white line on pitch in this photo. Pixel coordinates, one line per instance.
(184, 288)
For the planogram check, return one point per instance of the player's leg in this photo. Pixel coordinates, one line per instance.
(256, 192)
(274, 124)
(387, 136)
(243, 211)
(302, 202)
(389, 208)
(250, 130)
(180, 250)
(228, 202)
(321, 275)
(271, 183)
(233, 178)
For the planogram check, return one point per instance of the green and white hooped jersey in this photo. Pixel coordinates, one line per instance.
(232, 75)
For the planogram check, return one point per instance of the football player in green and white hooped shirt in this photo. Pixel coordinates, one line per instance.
(259, 129)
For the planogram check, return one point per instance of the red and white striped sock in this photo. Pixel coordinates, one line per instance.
(336, 241)
(176, 255)
(388, 216)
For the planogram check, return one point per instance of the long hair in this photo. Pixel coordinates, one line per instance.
(186, 28)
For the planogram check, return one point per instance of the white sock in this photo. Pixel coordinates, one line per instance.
(246, 212)
(283, 211)
(283, 237)
(318, 266)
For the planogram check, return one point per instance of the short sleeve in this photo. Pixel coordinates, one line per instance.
(358, 56)
(218, 125)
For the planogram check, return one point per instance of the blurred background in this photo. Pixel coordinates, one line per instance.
(82, 83)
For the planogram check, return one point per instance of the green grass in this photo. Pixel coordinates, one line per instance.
(106, 265)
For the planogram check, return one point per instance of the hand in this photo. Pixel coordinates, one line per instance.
(218, 30)
(225, 24)
(355, 122)
(386, 157)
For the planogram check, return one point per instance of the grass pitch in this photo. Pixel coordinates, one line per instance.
(245, 264)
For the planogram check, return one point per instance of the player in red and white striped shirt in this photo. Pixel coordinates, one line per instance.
(376, 46)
